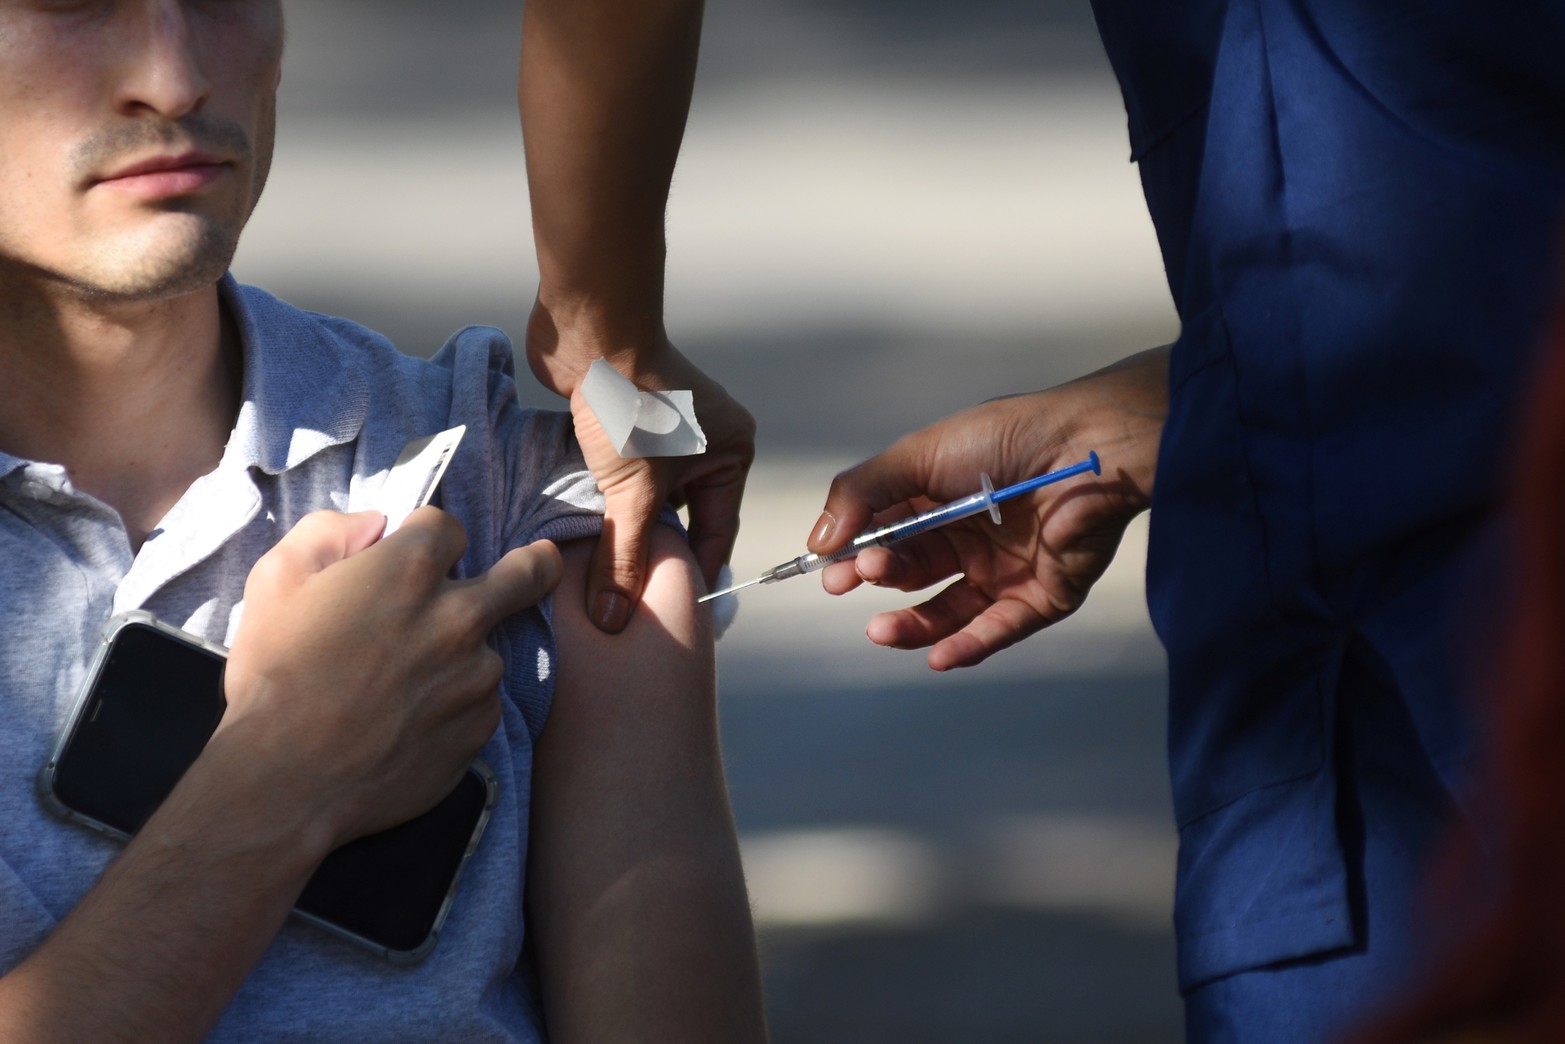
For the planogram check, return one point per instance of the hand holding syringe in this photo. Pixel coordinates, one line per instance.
(985, 499)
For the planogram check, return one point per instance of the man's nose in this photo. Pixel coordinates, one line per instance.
(162, 69)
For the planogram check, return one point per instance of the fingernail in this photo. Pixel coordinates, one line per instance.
(611, 612)
(823, 527)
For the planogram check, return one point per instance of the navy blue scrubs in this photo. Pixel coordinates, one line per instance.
(1358, 206)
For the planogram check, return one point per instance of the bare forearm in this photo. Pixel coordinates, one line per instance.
(157, 948)
(604, 91)
(657, 921)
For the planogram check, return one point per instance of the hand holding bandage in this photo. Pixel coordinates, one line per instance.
(635, 488)
(642, 423)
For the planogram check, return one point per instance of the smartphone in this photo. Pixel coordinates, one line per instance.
(153, 697)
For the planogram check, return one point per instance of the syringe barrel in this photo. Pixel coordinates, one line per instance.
(888, 534)
(910, 527)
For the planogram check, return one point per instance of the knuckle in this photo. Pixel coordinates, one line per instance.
(270, 570)
(427, 554)
(488, 675)
(542, 571)
(480, 694)
(269, 565)
(467, 619)
(637, 496)
(624, 570)
(436, 525)
(849, 478)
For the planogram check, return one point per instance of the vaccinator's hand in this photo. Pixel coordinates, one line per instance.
(1037, 567)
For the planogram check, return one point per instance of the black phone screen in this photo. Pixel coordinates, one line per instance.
(390, 887)
(154, 705)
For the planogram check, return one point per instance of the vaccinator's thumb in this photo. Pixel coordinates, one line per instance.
(858, 493)
(619, 566)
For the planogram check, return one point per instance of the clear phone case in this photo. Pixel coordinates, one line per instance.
(100, 660)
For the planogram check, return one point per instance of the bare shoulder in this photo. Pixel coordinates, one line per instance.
(673, 585)
(662, 661)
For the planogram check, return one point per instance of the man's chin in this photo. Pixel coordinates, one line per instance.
(171, 270)
(150, 288)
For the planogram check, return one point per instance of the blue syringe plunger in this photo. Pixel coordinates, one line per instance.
(986, 499)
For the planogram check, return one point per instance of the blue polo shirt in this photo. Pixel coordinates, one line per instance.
(1358, 207)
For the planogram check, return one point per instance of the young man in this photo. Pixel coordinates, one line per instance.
(168, 441)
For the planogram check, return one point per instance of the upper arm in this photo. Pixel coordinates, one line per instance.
(635, 896)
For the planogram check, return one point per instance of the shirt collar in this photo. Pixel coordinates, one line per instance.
(305, 388)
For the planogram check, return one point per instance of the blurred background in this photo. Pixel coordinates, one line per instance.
(885, 211)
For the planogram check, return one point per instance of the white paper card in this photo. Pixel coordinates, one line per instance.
(413, 478)
(639, 423)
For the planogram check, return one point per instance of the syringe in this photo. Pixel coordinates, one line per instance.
(986, 499)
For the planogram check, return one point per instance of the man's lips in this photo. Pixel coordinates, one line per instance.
(165, 176)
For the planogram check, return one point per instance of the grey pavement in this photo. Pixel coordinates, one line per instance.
(884, 213)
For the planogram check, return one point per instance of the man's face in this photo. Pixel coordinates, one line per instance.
(135, 138)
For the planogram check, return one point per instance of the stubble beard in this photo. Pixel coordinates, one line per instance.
(196, 262)
(183, 260)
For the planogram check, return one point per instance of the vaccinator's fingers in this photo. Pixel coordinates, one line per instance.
(635, 489)
(911, 565)
(713, 500)
(619, 562)
(922, 625)
(962, 624)
(840, 577)
(1000, 626)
